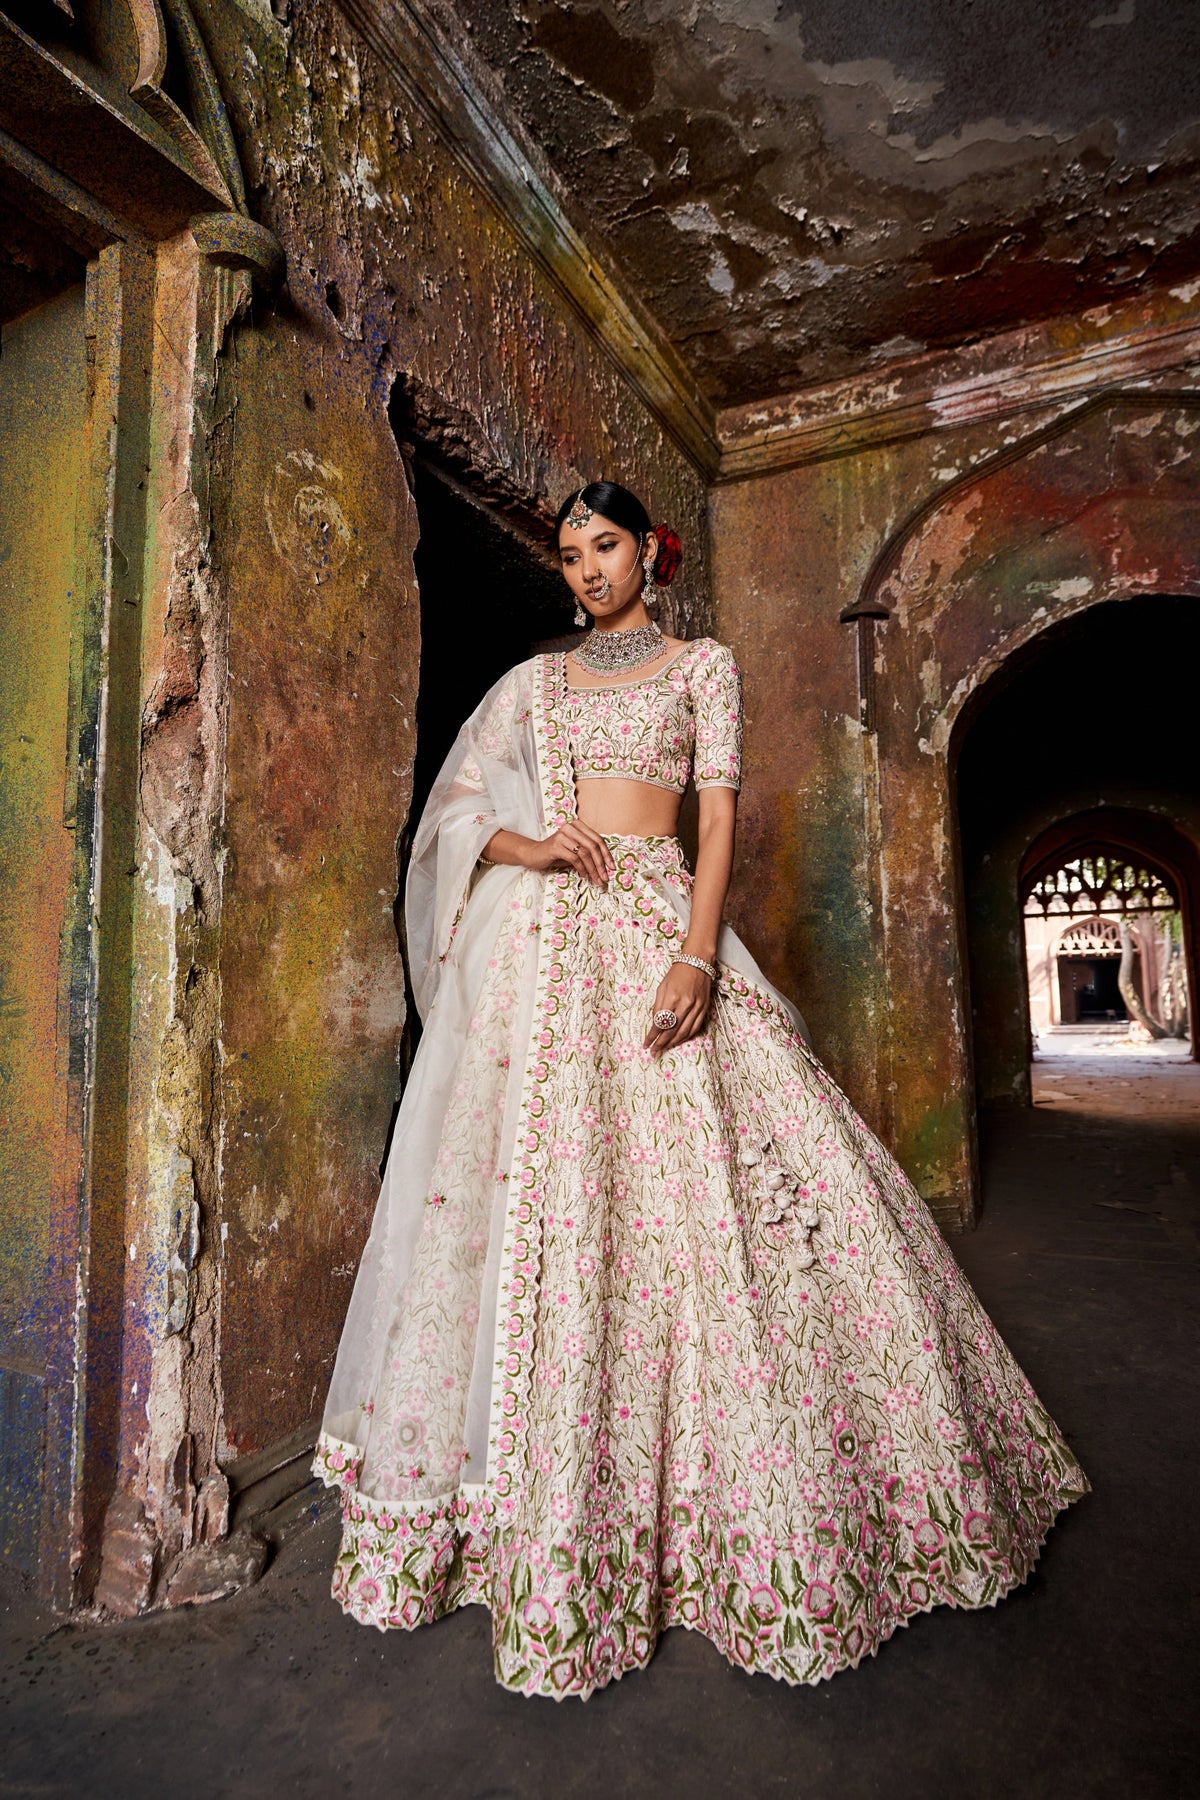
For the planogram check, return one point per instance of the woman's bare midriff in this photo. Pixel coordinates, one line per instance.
(627, 808)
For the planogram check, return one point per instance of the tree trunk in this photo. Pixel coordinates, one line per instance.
(1174, 986)
(1129, 993)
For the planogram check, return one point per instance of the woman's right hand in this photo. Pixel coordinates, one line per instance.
(574, 846)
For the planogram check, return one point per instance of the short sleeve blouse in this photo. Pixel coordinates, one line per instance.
(685, 720)
(716, 687)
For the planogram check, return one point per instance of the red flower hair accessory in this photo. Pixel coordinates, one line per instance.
(669, 557)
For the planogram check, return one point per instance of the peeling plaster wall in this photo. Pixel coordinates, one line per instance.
(848, 880)
(399, 267)
(800, 189)
(397, 271)
(170, 1492)
(324, 643)
(789, 552)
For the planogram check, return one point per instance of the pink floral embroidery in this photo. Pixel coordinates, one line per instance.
(695, 1419)
(685, 720)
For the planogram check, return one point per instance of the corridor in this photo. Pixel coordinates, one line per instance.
(1080, 1685)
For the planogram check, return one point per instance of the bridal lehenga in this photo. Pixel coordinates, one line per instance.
(642, 1343)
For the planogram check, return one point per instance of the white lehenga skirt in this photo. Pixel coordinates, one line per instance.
(709, 1363)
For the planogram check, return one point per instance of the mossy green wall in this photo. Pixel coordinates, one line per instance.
(42, 403)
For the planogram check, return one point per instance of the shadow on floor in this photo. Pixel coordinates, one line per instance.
(1079, 1685)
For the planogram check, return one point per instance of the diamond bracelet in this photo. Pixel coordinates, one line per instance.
(696, 962)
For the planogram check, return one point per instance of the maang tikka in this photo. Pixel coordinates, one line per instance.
(579, 515)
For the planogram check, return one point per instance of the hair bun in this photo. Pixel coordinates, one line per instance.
(669, 557)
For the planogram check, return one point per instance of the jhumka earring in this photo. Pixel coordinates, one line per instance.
(580, 615)
(650, 594)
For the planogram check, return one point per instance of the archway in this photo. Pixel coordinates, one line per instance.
(1105, 938)
(1044, 785)
(1081, 966)
(1100, 507)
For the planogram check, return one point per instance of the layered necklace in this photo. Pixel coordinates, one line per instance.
(616, 652)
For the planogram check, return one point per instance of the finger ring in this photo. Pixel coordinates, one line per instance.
(666, 1021)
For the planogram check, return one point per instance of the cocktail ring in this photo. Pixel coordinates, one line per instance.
(666, 1021)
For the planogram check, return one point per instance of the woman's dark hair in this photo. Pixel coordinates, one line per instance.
(611, 501)
(617, 504)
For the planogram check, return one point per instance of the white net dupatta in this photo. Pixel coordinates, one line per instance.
(488, 782)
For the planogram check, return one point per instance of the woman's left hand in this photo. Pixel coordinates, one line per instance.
(687, 993)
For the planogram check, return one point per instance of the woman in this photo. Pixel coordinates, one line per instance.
(650, 1330)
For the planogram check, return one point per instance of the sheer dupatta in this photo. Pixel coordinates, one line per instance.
(489, 782)
(454, 910)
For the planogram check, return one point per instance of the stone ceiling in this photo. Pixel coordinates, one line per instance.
(801, 189)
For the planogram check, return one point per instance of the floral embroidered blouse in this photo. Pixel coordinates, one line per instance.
(686, 719)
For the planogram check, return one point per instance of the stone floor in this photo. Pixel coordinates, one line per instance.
(1082, 1684)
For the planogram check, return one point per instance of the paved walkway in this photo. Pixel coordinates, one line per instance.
(1081, 1685)
(1112, 1079)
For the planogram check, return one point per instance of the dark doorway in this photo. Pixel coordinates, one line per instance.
(490, 597)
(1088, 990)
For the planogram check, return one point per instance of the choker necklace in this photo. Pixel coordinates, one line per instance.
(616, 652)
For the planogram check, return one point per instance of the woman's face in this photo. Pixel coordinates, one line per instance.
(602, 564)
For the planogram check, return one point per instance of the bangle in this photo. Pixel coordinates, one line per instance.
(695, 962)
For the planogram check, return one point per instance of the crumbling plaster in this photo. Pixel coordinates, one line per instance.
(800, 190)
(168, 1490)
(848, 879)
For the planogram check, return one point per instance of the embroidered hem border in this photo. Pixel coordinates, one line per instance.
(801, 1620)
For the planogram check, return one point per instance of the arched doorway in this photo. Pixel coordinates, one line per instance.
(1104, 942)
(1078, 808)
(1081, 974)
(1094, 511)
